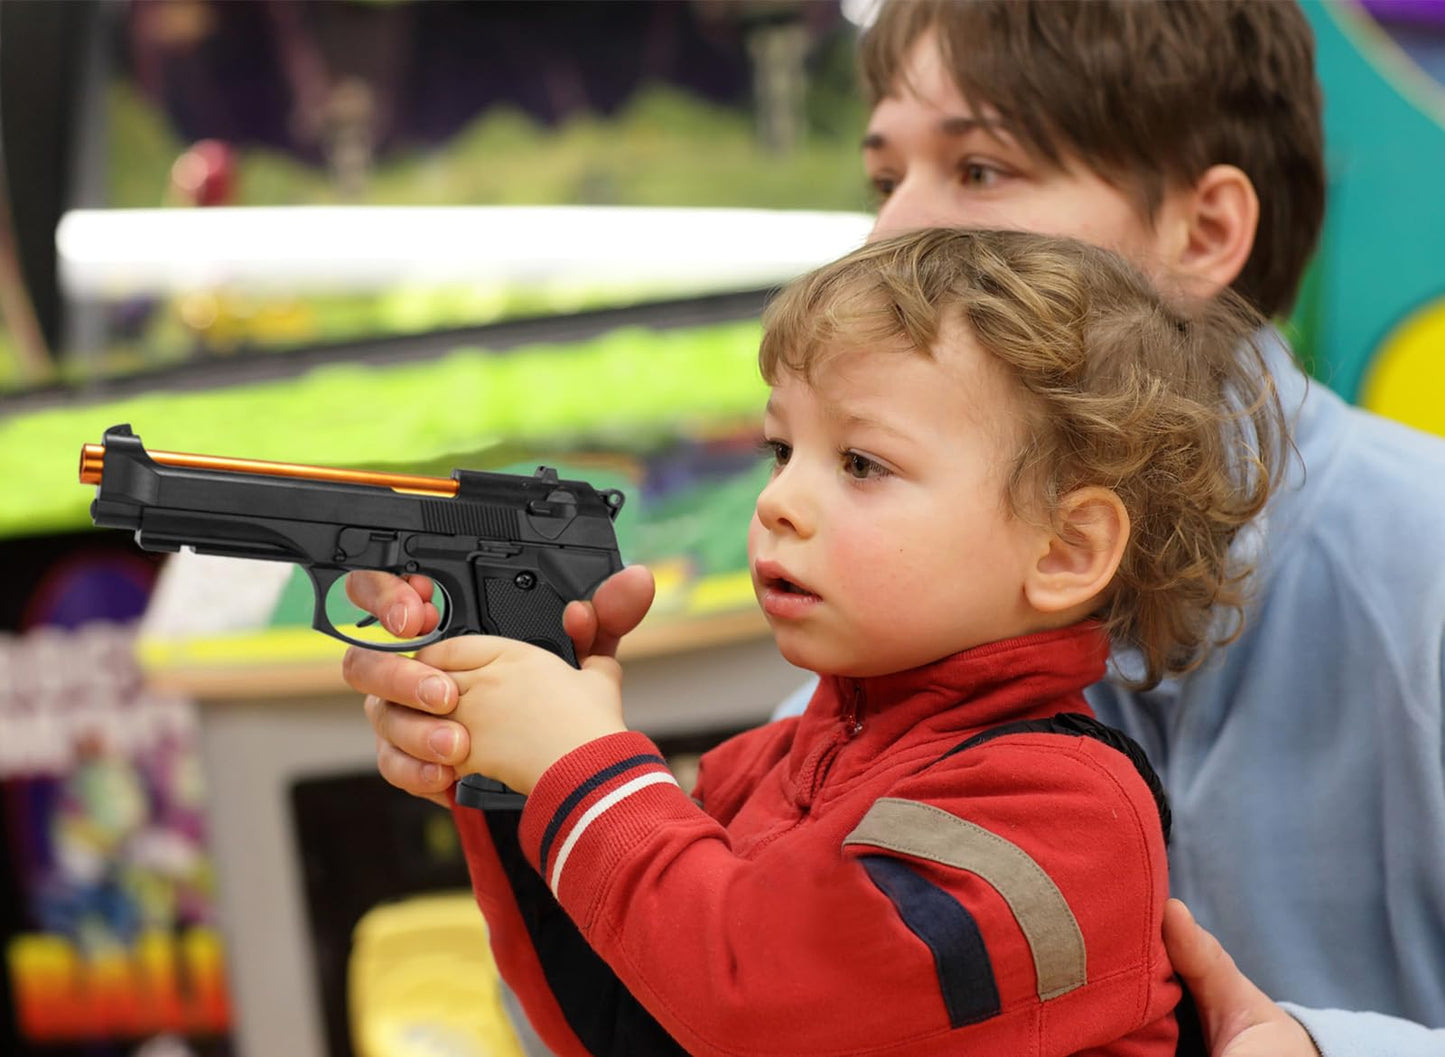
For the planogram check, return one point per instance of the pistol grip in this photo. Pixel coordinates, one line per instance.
(475, 790)
(522, 607)
(527, 608)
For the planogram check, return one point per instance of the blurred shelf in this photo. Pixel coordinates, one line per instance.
(195, 670)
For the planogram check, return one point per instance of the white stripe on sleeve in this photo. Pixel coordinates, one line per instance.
(617, 795)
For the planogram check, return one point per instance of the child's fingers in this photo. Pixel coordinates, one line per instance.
(605, 666)
(467, 653)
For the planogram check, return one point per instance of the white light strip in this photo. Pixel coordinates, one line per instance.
(112, 253)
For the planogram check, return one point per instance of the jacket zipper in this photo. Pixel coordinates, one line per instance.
(852, 727)
(853, 722)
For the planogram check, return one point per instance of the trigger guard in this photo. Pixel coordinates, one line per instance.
(323, 579)
(408, 646)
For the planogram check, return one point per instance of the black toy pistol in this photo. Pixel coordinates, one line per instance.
(506, 552)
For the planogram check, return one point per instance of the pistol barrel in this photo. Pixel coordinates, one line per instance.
(92, 461)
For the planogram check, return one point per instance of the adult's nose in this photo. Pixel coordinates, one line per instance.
(916, 203)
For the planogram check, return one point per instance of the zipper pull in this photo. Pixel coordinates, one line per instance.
(855, 713)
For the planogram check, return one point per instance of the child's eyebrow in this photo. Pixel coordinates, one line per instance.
(854, 420)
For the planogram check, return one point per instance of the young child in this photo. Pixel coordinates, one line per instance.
(1305, 761)
(994, 452)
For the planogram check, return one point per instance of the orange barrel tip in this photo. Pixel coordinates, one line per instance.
(92, 457)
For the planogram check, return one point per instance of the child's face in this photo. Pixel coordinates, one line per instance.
(884, 540)
(937, 165)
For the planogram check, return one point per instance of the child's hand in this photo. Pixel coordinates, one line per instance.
(524, 707)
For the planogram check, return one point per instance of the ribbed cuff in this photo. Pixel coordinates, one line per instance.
(591, 807)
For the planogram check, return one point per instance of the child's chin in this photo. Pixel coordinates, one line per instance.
(801, 653)
(816, 658)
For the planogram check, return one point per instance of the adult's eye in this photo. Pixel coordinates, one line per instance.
(978, 174)
(883, 185)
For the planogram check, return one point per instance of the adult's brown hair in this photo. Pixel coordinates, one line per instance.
(1147, 93)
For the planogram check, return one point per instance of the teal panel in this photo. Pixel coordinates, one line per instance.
(1383, 254)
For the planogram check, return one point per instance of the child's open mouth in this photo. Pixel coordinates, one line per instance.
(784, 598)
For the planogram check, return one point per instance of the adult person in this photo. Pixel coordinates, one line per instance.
(1304, 766)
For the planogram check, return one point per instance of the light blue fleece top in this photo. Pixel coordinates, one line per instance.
(1305, 764)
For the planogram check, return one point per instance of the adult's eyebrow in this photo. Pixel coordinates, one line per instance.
(957, 126)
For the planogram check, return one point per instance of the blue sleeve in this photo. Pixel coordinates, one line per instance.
(797, 701)
(1346, 1033)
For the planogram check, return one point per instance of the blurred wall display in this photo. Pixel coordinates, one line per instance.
(110, 940)
(196, 104)
(669, 414)
(1371, 319)
(41, 55)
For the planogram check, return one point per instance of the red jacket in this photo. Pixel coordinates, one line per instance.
(844, 883)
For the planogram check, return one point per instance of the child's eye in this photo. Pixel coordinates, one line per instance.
(862, 467)
(882, 185)
(778, 451)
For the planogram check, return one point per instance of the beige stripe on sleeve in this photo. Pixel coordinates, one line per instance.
(926, 832)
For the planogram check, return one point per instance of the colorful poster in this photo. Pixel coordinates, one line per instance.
(110, 941)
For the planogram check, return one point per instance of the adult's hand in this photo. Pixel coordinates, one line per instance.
(1239, 1019)
(407, 701)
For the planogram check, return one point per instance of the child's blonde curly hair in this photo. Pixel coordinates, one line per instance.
(1174, 411)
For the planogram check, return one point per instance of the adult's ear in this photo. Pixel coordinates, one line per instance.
(1081, 555)
(1211, 227)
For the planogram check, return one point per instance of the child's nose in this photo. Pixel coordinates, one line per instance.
(783, 504)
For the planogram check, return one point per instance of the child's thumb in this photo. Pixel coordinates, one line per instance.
(605, 666)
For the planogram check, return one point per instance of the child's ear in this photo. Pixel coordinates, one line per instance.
(1216, 219)
(1081, 554)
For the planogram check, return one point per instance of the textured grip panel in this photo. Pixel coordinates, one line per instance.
(533, 616)
(455, 517)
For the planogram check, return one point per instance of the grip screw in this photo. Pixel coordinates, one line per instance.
(525, 581)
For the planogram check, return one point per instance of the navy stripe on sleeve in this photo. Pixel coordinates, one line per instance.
(965, 973)
(602, 1013)
(549, 835)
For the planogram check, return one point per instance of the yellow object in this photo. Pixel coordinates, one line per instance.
(422, 982)
(1407, 379)
(723, 592)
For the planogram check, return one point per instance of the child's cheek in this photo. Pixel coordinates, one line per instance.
(755, 533)
(864, 559)
(880, 571)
